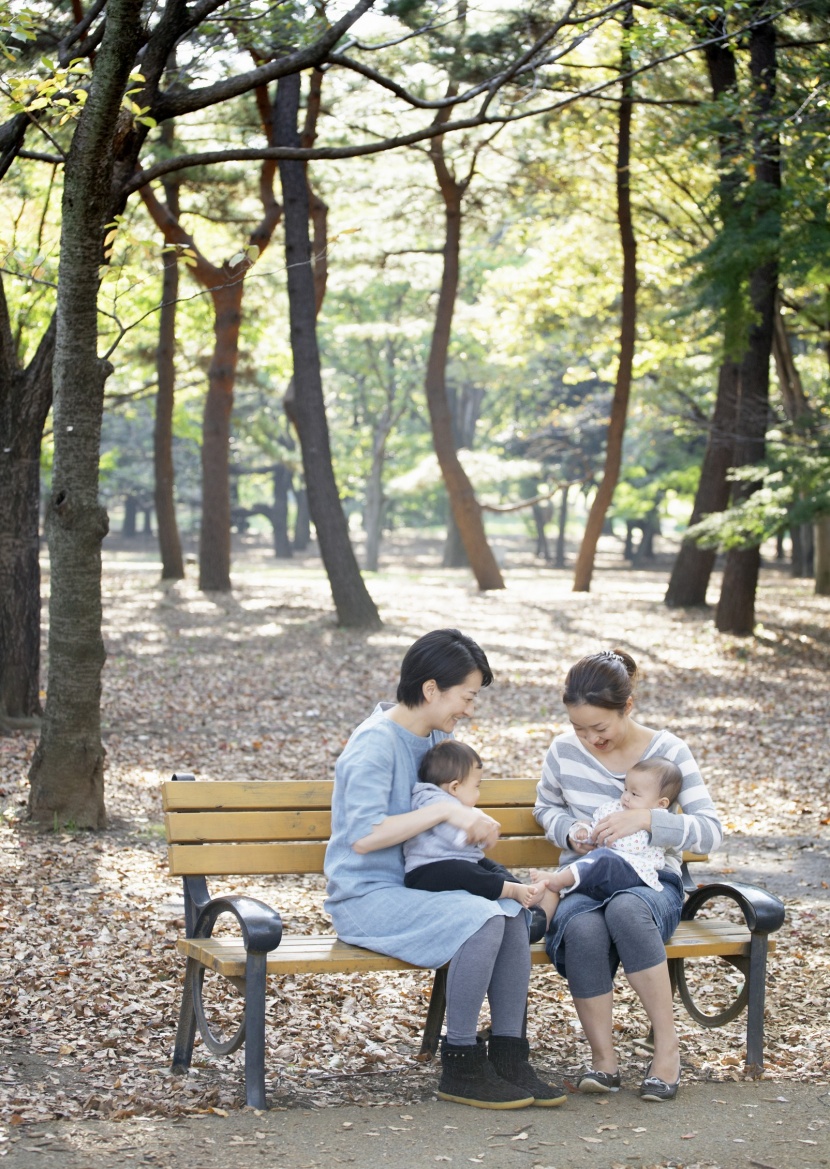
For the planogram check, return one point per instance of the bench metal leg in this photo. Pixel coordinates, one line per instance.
(186, 1030)
(255, 1030)
(435, 1014)
(756, 978)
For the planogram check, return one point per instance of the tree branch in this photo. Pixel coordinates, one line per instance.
(435, 129)
(171, 105)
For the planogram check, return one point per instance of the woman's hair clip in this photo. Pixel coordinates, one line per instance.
(610, 655)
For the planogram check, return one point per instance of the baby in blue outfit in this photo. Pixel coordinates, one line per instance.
(440, 858)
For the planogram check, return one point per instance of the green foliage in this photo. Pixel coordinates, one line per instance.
(793, 488)
(18, 27)
(536, 326)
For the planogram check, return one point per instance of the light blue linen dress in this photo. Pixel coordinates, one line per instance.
(368, 902)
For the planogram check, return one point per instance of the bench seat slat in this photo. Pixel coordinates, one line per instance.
(321, 954)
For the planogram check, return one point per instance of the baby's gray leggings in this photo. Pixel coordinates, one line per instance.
(624, 929)
(495, 961)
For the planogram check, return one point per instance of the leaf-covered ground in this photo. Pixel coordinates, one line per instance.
(262, 684)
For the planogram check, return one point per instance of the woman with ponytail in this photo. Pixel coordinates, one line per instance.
(587, 940)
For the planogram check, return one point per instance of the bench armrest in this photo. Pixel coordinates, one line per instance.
(260, 924)
(763, 911)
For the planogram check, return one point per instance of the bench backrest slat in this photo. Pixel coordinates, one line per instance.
(202, 827)
(296, 857)
(189, 860)
(278, 795)
(238, 827)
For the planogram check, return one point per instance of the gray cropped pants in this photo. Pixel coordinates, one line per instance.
(594, 942)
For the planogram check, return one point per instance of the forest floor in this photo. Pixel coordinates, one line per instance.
(261, 683)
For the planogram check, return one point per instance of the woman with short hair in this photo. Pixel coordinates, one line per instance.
(485, 942)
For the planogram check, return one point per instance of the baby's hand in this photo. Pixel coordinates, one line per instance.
(580, 831)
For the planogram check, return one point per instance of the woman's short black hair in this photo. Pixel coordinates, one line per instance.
(444, 656)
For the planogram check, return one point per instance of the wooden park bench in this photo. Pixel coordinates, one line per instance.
(249, 829)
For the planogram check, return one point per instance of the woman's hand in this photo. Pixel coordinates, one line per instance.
(618, 824)
(481, 829)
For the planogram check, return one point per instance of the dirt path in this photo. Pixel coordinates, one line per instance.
(710, 1126)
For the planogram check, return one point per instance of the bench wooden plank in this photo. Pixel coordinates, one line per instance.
(196, 827)
(277, 795)
(263, 859)
(219, 827)
(319, 954)
(225, 860)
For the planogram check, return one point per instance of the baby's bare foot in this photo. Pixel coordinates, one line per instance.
(537, 890)
(524, 894)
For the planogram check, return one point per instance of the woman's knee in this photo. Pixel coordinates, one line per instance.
(634, 932)
(587, 930)
(628, 915)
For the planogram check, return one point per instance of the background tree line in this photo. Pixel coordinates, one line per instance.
(269, 252)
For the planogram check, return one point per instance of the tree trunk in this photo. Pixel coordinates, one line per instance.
(622, 390)
(693, 566)
(454, 554)
(282, 486)
(226, 284)
(736, 606)
(129, 525)
(465, 508)
(67, 772)
(355, 608)
(25, 398)
(464, 407)
(170, 547)
(796, 407)
(375, 507)
(803, 550)
(822, 544)
(215, 530)
(559, 555)
(542, 514)
(302, 522)
(649, 528)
